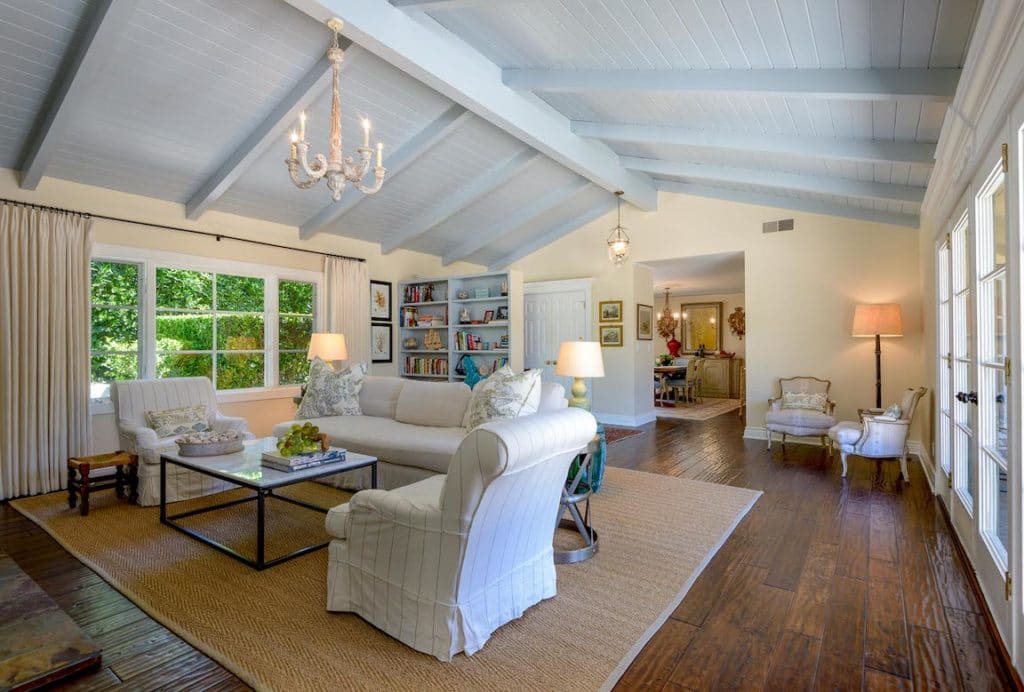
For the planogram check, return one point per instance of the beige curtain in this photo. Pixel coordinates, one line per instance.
(348, 305)
(44, 347)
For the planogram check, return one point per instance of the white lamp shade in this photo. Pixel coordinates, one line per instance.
(580, 359)
(327, 347)
(881, 319)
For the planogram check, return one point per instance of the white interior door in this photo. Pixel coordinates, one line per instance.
(553, 312)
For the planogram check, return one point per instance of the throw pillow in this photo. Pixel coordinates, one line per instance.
(330, 393)
(895, 411)
(804, 400)
(503, 395)
(178, 421)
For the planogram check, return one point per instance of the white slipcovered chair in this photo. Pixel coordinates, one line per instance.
(800, 422)
(132, 398)
(878, 436)
(442, 563)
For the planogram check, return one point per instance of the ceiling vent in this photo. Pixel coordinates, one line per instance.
(777, 226)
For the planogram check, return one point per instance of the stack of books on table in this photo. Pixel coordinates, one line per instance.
(302, 461)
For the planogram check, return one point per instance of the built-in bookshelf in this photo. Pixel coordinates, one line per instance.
(444, 321)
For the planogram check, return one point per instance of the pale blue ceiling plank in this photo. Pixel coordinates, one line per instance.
(550, 235)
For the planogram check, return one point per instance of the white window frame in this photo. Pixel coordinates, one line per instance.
(148, 261)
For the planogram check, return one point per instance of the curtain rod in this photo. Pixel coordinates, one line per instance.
(218, 236)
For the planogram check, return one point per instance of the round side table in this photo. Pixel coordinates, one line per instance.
(576, 493)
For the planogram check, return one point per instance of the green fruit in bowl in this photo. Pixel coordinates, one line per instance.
(300, 439)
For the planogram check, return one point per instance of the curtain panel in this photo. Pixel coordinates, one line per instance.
(347, 285)
(44, 347)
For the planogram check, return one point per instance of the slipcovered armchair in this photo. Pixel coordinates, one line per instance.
(442, 563)
(877, 435)
(133, 398)
(802, 409)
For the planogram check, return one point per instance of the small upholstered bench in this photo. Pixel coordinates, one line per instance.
(80, 483)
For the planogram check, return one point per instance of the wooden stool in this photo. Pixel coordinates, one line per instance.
(127, 473)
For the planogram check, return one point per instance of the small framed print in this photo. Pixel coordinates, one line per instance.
(644, 322)
(611, 335)
(502, 312)
(488, 316)
(380, 301)
(380, 343)
(609, 311)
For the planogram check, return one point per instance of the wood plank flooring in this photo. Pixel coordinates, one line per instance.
(826, 584)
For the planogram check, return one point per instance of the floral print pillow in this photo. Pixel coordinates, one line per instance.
(330, 393)
(178, 421)
(503, 395)
(808, 401)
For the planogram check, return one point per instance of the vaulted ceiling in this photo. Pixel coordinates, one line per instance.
(506, 123)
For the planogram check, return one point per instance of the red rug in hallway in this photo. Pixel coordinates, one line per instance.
(614, 433)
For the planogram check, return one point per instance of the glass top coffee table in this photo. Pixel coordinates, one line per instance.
(245, 470)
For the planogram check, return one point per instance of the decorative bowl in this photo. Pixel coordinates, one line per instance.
(210, 449)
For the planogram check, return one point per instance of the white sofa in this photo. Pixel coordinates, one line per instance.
(444, 562)
(413, 428)
(132, 398)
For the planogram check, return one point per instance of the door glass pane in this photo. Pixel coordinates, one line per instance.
(963, 474)
(998, 242)
(963, 331)
(993, 409)
(995, 509)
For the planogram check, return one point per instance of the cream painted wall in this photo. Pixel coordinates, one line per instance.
(730, 301)
(801, 288)
(261, 413)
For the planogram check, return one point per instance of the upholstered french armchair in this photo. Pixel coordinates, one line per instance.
(133, 398)
(442, 563)
(878, 436)
(802, 409)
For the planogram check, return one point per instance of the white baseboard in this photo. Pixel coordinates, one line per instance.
(626, 421)
(924, 458)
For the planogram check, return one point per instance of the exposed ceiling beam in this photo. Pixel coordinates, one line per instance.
(553, 233)
(872, 84)
(867, 150)
(793, 203)
(822, 184)
(417, 145)
(272, 130)
(461, 199)
(428, 52)
(442, 5)
(89, 51)
(479, 239)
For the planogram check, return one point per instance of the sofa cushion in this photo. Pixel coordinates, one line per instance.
(178, 421)
(503, 395)
(379, 395)
(811, 401)
(552, 397)
(329, 392)
(439, 404)
(429, 448)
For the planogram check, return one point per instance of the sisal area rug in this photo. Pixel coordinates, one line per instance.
(706, 410)
(271, 628)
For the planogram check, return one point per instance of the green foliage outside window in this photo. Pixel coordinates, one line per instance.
(295, 325)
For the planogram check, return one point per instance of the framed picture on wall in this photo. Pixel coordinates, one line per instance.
(609, 311)
(380, 343)
(611, 335)
(380, 301)
(644, 322)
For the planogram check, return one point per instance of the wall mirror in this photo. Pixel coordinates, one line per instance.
(701, 325)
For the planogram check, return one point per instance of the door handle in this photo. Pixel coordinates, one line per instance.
(967, 397)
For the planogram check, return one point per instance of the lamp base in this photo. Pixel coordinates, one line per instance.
(579, 395)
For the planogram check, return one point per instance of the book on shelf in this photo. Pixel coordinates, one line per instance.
(426, 366)
(301, 462)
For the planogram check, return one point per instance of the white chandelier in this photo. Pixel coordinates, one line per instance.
(339, 170)
(618, 241)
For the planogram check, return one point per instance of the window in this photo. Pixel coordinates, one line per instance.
(243, 326)
(114, 346)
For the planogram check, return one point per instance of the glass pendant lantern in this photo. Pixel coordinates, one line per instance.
(618, 241)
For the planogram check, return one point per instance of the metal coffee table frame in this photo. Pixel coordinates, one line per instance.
(570, 503)
(260, 563)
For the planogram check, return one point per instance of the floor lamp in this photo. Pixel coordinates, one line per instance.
(877, 320)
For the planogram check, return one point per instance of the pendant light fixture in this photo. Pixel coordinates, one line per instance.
(618, 241)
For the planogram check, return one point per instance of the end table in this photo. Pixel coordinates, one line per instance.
(577, 491)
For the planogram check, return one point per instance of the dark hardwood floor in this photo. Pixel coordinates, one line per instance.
(826, 584)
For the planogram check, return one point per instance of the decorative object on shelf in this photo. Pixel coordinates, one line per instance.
(432, 340)
(502, 313)
(339, 170)
(428, 294)
(411, 343)
(579, 360)
(380, 301)
(464, 317)
(330, 348)
(611, 335)
(609, 311)
(380, 343)
(667, 321)
(644, 322)
(409, 317)
(462, 294)
(878, 320)
(618, 241)
(738, 322)
(482, 293)
(471, 373)
(488, 316)
(503, 288)
(701, 326)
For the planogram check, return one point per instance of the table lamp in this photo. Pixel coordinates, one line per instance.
(579, 359)
(328, 348)
(877, 320)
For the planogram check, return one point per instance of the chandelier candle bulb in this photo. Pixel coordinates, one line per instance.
(366, 134)
(295, 146)
(380, 154)
(302, 126)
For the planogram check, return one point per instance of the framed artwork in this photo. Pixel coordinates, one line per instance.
(609, 311)
(502, 312)
(488, 316)
(380, 301)
(611, 335)
(380, 343)
(644, 322)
